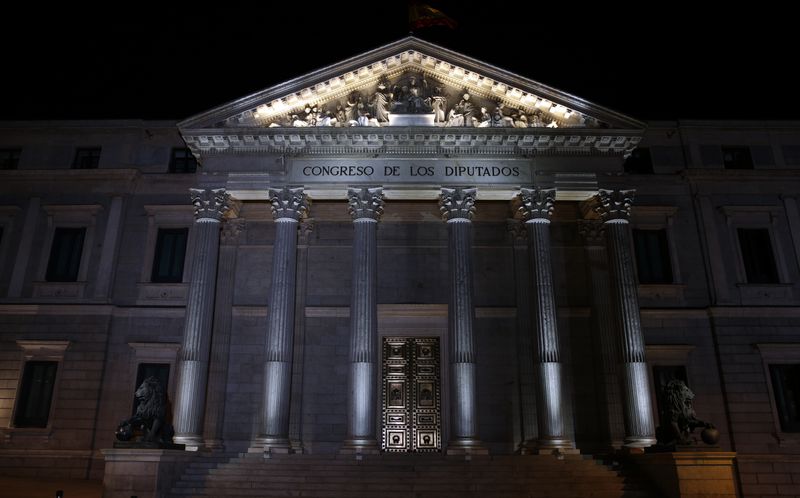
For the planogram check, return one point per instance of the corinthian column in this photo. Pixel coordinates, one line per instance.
(366, 207)
(610, 406)
(457, 206)
(536, 209)
(210, 204)
(614, 207)
(288, 206)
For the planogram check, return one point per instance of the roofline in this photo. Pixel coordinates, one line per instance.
(205, 119)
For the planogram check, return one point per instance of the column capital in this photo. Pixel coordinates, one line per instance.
(455, 203)
(536, 203)
(210, 202)
(288, 202)
(365, 202)
(592, 231)
(613, 205)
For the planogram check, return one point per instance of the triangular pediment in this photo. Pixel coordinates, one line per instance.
(410, 83)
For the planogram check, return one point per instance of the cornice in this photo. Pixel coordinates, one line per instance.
(413, 141)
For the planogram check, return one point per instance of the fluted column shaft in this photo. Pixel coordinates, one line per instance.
(608, 384)
(637, 408)
(193, 360)
(220, 343)
(288, 206)
(366, 206)
(525, 351)
(457, 206)
(536, 209)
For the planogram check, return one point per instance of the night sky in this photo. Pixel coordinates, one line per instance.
(152, 62)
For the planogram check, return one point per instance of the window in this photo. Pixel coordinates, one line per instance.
(652, 256)
(158, 370)
(170, 252)
(639, 162)
(9, 158)
(786, 389)
(86, 158)
(65, 255)
(737, 158)
(182, 161)
(757, 256)
(662, 374)
(36, 394)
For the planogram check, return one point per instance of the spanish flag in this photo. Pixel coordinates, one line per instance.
(421, 15)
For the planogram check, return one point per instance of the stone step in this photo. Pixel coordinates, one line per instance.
(416, 476)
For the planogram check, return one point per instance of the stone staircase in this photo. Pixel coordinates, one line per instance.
(406, 476)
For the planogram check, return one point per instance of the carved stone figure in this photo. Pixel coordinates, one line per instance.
(678, 419)
(463, 113)
(438, 103)
(150, 419)
(380, 104)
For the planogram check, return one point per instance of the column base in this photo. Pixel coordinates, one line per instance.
(214, 444)
(555, 445)
(193, 442)
(637, 444)
(271, 446)
(360, 447)
(466, 447)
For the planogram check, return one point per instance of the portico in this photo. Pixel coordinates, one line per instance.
(547, 157)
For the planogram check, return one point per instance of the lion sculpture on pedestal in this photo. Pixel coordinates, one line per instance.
(678, 418)
(150, 419)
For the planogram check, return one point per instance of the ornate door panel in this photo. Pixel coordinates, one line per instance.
(411, 397)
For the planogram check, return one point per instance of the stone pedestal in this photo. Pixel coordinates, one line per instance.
(689, 474)
(141, 472)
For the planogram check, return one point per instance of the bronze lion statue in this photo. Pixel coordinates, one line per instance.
(678, 419)
(150, 420)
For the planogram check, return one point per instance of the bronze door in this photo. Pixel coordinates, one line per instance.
(410, 395)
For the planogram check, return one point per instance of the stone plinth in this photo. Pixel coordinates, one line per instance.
(142, 473)
(690, 474)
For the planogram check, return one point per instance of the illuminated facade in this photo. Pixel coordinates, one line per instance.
(409, 251)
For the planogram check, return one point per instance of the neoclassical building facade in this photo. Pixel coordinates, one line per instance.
(408, 251)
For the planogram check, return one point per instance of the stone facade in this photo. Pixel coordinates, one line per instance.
(724, 331)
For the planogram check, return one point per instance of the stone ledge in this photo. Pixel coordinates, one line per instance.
(689, 474)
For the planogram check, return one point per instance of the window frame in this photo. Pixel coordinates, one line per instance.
(153, 352)
(658, 218)
(778, 354)
(730, 148)
(162, 231)
(667, 355)
(166, 216)
(91, 150)
(172, 159)
(11, 151)
(67, 216)
(39, 351)
(669, 257)
(750, 217)
(7, 217)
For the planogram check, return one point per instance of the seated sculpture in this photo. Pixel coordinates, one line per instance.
(678, 418)
(149, 423)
